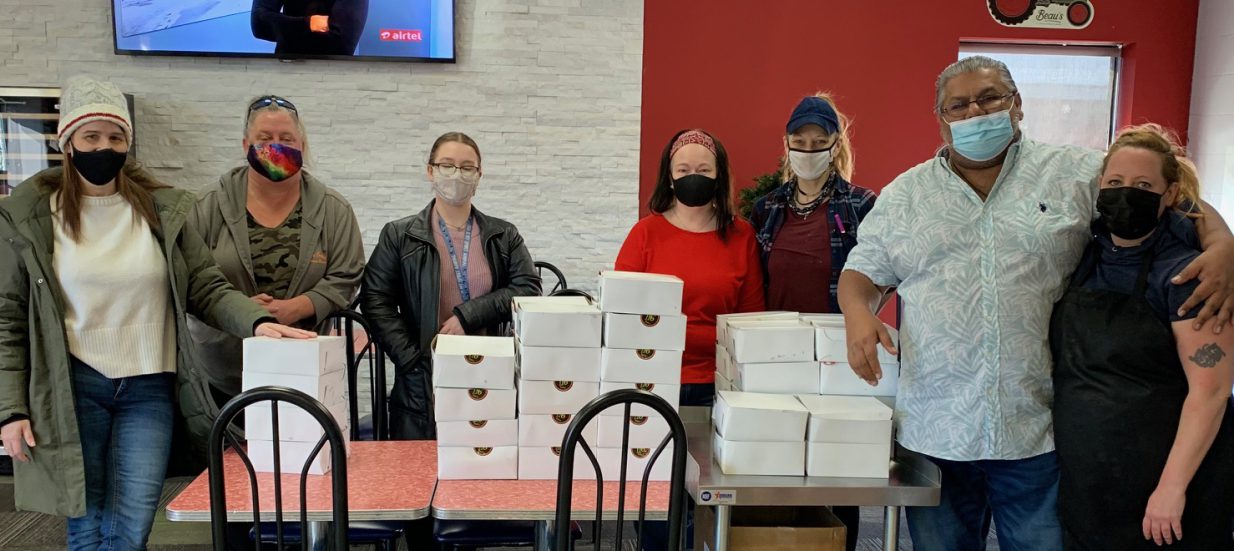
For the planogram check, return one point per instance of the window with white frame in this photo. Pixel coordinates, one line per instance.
(1069, 92)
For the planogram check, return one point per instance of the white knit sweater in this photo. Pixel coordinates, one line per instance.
(118, 310)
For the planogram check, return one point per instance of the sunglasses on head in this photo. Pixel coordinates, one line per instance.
(267, 101)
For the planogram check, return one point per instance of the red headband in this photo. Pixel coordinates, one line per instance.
(696, 137)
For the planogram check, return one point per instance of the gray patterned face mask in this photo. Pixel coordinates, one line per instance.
(454, 190)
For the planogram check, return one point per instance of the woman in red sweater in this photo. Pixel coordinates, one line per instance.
(693, 235)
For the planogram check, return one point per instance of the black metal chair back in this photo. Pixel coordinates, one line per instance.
(561, 278)
(369, 354)
(572, 293)
(573, 439)
(220, 437)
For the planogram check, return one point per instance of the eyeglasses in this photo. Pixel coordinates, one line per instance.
(987, 103)
(448, 170)
(267, 101)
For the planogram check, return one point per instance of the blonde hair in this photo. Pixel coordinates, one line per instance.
(1175, 166)
(842, 157)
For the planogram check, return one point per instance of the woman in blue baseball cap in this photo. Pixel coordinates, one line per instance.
(807, 225)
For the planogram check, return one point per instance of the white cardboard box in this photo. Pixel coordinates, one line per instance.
(295, 424)
(848, 460)
(477, 463)
(537, 299)
(549, 397)
(839, 378)
(634, 331)
(765, 342)
(544, 431)
(759, 458)
(830, 344)
(479, 433)
(328, 388)
(295, 356)
(849, 436)
(640, 293)
(291, 456)
(645, 366)
(636, 463)
(558, 324)
(470, 404)
(544, 363)
(646, 431)
(778, 378)
(847, 419)
(723, 319)
(724, 363)
(541, 463)
(757, 417)
(670, 394)
(462, 361)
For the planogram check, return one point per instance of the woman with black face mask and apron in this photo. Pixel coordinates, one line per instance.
(692, 234)
(1142, 422)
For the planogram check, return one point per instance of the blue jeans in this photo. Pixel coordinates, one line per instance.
(125, 427)
(1021, 495)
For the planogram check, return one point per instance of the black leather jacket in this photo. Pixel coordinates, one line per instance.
(399, 299)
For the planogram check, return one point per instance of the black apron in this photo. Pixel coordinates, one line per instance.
(1119, 388)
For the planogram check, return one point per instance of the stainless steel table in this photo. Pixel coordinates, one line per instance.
(913, 480)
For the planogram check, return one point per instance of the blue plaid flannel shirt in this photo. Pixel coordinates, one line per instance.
(848, 202)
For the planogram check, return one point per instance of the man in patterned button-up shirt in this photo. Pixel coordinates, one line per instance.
(979, 251)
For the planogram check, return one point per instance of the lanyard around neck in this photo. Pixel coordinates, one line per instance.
(460, 266)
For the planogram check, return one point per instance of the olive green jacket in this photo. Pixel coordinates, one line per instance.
(330, 265)
(35, 377)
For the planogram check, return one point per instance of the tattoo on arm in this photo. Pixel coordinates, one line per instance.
(1208, 355)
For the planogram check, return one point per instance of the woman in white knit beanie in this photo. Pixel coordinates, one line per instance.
(97, 272)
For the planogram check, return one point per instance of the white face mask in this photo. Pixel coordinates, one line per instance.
(809, 165)
(454, 190)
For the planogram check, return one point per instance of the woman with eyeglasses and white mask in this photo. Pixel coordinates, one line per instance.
(450, 269)
(280, 235)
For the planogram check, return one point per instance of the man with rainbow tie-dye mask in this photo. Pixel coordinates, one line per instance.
(260, 221)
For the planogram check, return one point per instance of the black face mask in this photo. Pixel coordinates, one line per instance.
(99, 167)
(694, 190)
(1128, 212)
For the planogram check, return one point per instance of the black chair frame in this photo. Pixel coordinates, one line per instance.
(574, 439)
(540, 266)
(344, 323)
(220, 436)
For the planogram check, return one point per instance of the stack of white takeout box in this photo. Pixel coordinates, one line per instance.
(791, 353)
(792, 435)
(644, 337)
(558, 347)
(474, 405)
(317, 367)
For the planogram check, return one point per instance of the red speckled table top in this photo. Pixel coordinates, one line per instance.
(537, 500)
(385, 481)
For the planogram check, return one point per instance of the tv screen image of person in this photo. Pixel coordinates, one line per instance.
(287, 29)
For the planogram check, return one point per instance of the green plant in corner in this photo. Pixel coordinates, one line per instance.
(763, 184)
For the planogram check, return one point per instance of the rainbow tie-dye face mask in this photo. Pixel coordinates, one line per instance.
(275, 161)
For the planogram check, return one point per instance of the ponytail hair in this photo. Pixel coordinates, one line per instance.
(842, 157)
(1175, 166)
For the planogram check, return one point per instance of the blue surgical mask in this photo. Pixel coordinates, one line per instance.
(982, 138)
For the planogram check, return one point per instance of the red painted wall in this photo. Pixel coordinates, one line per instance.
(737, 68)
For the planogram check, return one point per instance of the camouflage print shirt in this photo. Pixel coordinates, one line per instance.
(276, 251)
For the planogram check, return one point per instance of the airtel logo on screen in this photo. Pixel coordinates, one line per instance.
(398, 35)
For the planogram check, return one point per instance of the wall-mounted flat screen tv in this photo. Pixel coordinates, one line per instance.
(287, 29)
